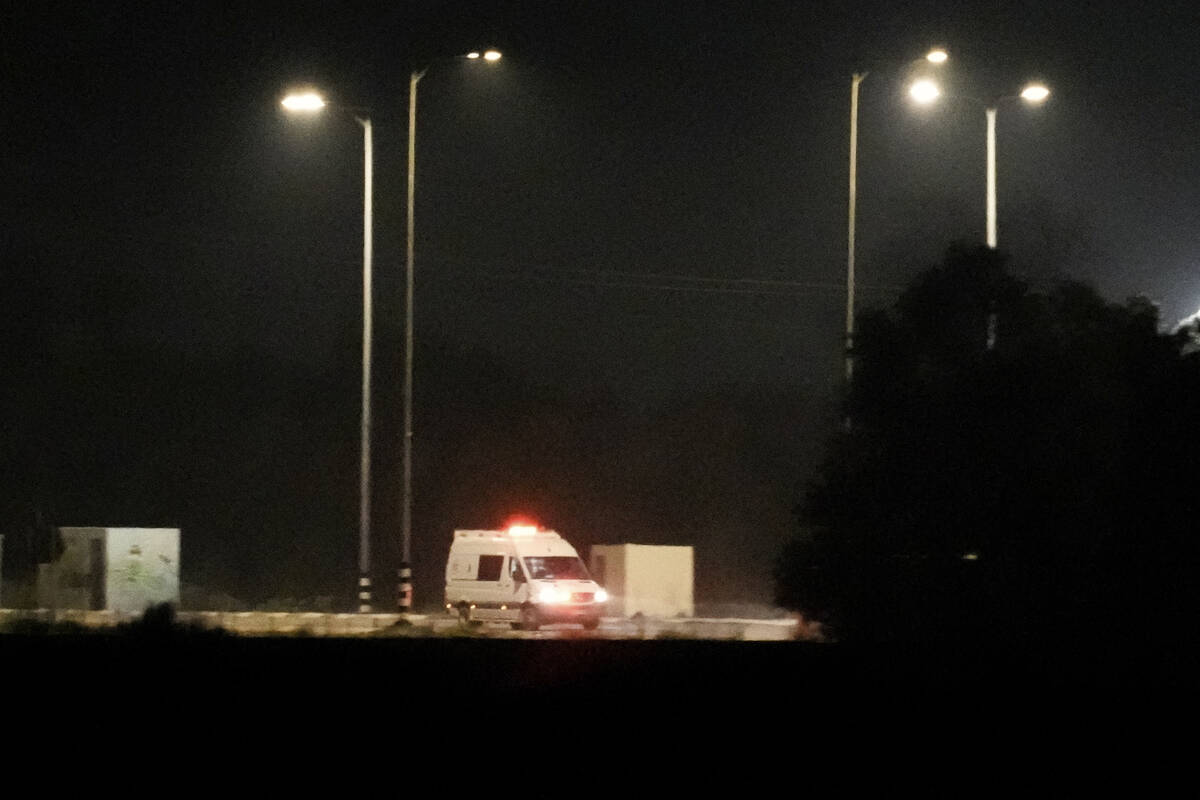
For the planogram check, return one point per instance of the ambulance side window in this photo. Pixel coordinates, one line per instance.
(489, 568)
(514, 570)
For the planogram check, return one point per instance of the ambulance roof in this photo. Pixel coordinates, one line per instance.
(515, 533)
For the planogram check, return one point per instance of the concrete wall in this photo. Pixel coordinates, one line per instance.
(124, 570)
(606, 562)
(74, 581)
(652, 580)
(142, 568)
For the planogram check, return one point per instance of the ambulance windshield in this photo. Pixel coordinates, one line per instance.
(549, 568)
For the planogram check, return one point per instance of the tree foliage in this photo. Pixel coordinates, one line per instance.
(1014, 462)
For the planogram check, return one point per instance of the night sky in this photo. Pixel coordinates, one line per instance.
(647, 199)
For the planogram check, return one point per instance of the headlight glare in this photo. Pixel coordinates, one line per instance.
(551, 594)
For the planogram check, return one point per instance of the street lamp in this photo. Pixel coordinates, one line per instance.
(404, 589)
(1032, 93)
(936, 57)
(924, 91)
(487, 55)
(311, 102)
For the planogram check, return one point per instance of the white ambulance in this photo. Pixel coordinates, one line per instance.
(521, 575)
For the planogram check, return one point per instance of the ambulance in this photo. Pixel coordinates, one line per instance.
(522, 575)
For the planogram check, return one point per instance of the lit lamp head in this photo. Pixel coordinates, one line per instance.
(486, 55)
(936, 56)
(303, 101)
(924, 91)
(1035, 93)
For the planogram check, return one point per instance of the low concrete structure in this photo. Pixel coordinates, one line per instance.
(651, 580)
(123, 570)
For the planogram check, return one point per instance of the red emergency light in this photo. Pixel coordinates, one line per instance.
(520, 525)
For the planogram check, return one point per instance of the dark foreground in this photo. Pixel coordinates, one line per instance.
(364, 711)
(214, 668)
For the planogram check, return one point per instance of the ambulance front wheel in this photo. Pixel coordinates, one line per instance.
(464, 616)
(529, 619)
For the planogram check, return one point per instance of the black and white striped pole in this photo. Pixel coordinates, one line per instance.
(404, 589)
(364, 595)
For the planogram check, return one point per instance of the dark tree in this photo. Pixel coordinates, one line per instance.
(1014, 463)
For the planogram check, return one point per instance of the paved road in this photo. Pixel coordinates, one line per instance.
(623, 628)
(257, 623)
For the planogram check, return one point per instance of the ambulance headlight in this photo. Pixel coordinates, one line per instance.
(551, 594)
(601, 596)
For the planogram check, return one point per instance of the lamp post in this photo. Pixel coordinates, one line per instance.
(937, 56)
(404, 588)
(1032, 93)
(312, 102)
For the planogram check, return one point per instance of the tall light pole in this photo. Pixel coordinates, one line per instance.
(991, 176)
(312, 102)
(404, 588)
(856, 79)
(1032, 93)
(937, 56)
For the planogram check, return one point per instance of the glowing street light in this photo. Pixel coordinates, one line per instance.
(1035, 93)
(306, 101)
(404, 589)
(309, 102)
(1032, 93)
(937, 56)
(924, 91)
